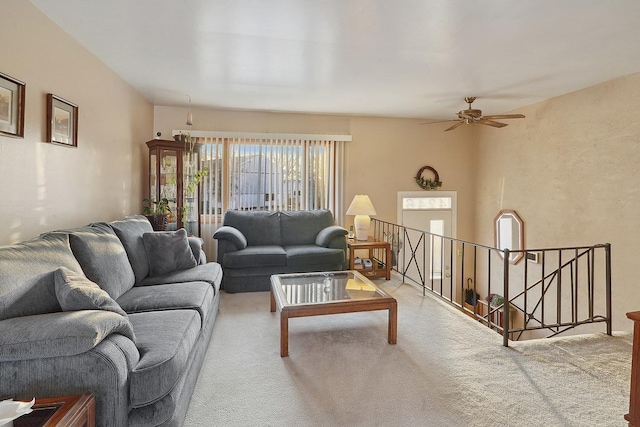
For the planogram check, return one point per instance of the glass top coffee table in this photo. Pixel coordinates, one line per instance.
(316, 294)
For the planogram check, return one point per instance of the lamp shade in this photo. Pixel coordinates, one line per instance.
(361, 207)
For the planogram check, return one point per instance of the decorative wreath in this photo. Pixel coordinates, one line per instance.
(428, 184)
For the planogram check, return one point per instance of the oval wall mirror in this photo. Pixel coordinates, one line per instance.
(509, 234)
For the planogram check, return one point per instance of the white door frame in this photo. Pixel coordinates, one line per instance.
(428, 200)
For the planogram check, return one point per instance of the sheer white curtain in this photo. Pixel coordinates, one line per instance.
(250, 171)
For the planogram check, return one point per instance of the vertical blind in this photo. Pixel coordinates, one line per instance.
(268, 172)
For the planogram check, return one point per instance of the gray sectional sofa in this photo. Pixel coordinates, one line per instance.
(111, 309)
(253, 245)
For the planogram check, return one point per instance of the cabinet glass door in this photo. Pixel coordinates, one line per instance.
(153, 177)
(169, 183)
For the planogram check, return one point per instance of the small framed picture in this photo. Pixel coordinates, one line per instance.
(11, 106)
(62, 121)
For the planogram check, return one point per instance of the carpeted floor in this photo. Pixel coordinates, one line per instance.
(446, 370)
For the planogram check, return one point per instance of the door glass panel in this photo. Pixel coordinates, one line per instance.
(426, 203)
(436, 227)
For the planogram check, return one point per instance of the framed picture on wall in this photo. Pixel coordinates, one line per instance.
(11, 106)
(62, 121)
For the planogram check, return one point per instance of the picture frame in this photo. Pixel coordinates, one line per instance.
(12, 99)
(62, 121)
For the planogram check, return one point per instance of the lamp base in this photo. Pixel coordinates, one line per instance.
(361, 224)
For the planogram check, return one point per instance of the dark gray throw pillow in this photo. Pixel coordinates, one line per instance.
(75, 292)
(168, 251)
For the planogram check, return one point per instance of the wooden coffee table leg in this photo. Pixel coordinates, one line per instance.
(284, 334)
(273, 301)
(393, 322)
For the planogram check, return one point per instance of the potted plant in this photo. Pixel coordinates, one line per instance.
(157, 212)
(196, 179)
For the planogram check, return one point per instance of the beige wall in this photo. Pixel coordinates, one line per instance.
(45, 186)
(570, 170)
(383, 157)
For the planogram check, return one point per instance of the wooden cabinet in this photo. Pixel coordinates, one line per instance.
(172, 167)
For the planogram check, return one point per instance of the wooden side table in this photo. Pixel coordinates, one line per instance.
(68, 411)
(379, 254)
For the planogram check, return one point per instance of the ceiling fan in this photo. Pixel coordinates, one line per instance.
(470, 116)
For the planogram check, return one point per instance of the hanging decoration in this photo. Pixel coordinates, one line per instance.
(426, 183)
(189, 114)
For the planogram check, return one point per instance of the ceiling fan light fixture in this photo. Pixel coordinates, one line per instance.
(189, 114)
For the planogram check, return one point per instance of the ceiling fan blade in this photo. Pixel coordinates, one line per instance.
(483, 121)
(438, 121)
(505, 116)
(454, 126)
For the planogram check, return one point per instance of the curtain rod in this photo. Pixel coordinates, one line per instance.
(262, 135)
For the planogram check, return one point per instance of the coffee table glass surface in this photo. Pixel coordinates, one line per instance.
(314, 288)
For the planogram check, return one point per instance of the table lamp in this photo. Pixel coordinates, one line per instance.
(361, 207)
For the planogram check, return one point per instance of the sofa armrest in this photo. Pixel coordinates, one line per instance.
(328, 234)
(195, 243)
(58, 334)
(231, 234)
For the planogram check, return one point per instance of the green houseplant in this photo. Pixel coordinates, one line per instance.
(157, 212)
(196, 179)
(190, 189)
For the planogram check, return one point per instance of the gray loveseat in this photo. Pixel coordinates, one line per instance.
(253, 245)
(111, 309)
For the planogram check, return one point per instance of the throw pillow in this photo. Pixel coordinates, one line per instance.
(168, 251)
(75, 292)
(103, 258)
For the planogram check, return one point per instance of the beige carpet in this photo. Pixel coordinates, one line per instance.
(446, 370)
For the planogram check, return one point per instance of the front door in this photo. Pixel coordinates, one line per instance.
(428, 258)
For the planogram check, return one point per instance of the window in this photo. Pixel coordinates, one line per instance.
(269, 172)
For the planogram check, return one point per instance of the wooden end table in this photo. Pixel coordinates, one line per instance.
(68, 411)
(380, 267)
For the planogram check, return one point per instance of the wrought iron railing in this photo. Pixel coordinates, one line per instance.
(551, 291)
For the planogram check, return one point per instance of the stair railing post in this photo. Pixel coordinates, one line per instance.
(505, 306)
(607, 249)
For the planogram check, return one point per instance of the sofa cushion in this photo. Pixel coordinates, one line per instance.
(258, 227)
(75, 292)
(168, 251)
(191, 295)
(256, 256)
(27, 285)
(165, 340)
(308, 255)
(302, 227)
(210, 272)
(102, 258)
(58, 334)
(130, 230)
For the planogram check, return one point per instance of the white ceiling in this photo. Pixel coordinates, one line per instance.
(396, 58)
